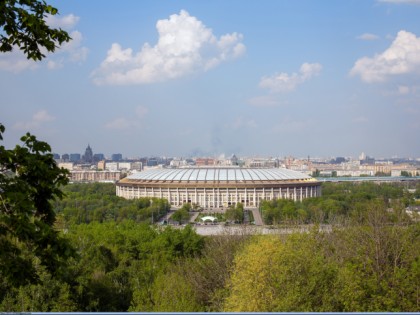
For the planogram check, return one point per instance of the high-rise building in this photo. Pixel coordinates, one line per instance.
(116, 157)
(75, 157)
(65, 157)
(88, 157)
(98, 157)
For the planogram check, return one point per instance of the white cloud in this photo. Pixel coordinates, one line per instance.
(185, 46)
(402, 57)
(53, 65)
(368, 36)
(66, 21)
(15, 61)
(284, 82)
(72, 51)
(38, 119)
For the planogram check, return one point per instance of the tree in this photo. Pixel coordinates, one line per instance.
(235, 213)
(29, 180)
(180, 215)
(275, 274)
(23, 24)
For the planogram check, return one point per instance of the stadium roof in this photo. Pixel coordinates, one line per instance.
(218, 175)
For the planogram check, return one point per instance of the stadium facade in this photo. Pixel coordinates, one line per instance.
(219, 187)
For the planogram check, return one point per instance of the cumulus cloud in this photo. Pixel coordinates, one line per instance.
(285, 82)
(73, 51)
(402, 57)
(67, 21)
(15, 61)
(38, 119)
(185, 46)
(368, 36)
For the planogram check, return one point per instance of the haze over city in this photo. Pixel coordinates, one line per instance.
(183, 78)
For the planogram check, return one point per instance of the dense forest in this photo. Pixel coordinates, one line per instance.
(370, 261)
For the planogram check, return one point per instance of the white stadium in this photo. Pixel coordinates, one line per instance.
(219, 187)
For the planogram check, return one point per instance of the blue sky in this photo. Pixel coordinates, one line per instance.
(254, 78)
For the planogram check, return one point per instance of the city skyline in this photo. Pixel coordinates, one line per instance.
(120, 156)
(187, 78)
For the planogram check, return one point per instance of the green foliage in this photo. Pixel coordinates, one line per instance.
(97, 202)
(378, 261)
(198, 284)
(339, 202)
(273, 274)
(120, 263)
(373, 267)
(182, 214)
(51, 296)
(235, 213)
(279, 210)
(417, 192)
(171, 293)
(29, 181)
(23, 24)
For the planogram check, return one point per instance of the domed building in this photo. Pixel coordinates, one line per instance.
(219, 187)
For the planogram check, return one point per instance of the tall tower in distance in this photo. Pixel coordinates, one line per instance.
(88, 157)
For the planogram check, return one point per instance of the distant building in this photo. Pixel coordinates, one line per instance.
(66, 165)
(65, 157)
(111, 166)
(205, 162)
(152, 162)
(116, 157)
(88, 157)
(263, 163)
(338, 160)
(124, 166)
(178, 163)
(98, 157)
(56, 156)
(138, 166)
(94, 176)
(233, 160)
(101, 165)
(75, 157)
